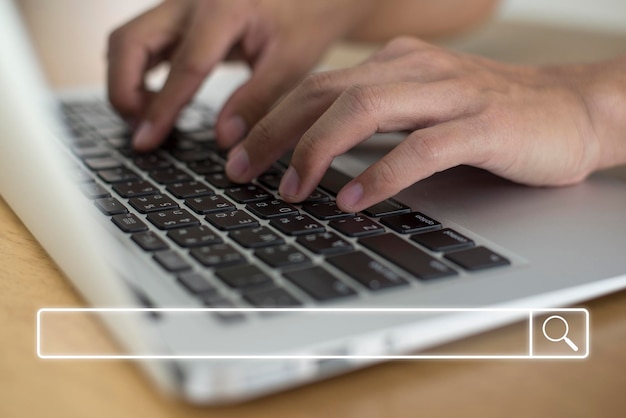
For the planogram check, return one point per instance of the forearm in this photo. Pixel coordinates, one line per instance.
(422, 18)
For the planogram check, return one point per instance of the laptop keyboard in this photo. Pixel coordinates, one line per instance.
(231, 245)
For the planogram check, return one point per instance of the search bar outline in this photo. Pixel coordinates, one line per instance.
(531, 313)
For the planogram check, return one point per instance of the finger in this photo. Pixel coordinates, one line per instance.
(132, 50)
(280, 130)
(357, 114)
(420, 155)
(212, 32)
(275, 72)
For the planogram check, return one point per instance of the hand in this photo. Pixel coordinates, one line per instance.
(530, 125)
(280, 39)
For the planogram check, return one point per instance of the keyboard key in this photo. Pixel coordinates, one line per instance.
(317, 197)
(135, 189)
(149, 241)
(409, 223)
(195, 236)
(171, 219)
(153, 203)
(256, 237)
(110, 206)
(358, 226)
(319, 284)
(333, 181)
(271, 180)
(104, 163)
(478, 258)
(218, 255)
(171, 261)
(244, 276)
(326, 210)
(367, 271)
(274, 297)
(151, 162)
(118, 175)
(272, 209)
(282, 256)
(297, 225)
(387, 207)
(170, 175)
(325, 243)
(197, 284)
(227, 221)
(206, 167)
(407, 256)
(192, 155)
(210, 204)
(96, 151)
(221, 302)
(93, 190)
(129, 223)
(190, 189)
(220, 181)
(443, 240)
(248, 194)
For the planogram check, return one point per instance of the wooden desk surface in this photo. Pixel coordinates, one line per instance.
(30, 387)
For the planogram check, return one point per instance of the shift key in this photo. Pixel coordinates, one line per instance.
(408, 257)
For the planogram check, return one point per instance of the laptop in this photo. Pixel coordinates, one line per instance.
(169, 231)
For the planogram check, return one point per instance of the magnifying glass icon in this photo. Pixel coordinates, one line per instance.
(563, 337)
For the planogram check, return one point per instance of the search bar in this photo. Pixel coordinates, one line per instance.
(542, 333)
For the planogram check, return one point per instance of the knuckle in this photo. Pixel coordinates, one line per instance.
(318, 84)
(426, 150)
(362, 99)
(403, 43)
(387, 175)
(262, 132)
(118, 38)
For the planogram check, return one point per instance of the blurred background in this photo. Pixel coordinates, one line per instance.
(70, 35)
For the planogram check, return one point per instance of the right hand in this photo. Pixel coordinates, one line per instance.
(281, 40)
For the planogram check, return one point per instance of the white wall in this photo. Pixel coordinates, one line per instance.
(596, 14)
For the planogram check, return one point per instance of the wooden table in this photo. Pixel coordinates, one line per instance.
(31, 387)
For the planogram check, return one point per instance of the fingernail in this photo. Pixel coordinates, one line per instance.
(141, 139)
(238, 163)
(234, 129)
(351, 195)
(290, 184)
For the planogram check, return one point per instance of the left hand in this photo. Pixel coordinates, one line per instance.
(530, 125)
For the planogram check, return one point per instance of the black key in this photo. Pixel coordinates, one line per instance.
(153, 203)
(151, 162)
(248, 194)
(272, 209)
(170, 175)
(407, 257)
(443, 240)
(333, 181)
(149, 241)
(206, 167)
(190, 189)
(110, 206)
(227, 221)
(409, 223)
(210, 204)
(325, 243)
(317, 197)
(118, 175)
(195, 236)
(274, 297)
(270, 180)
(220, 181)
(319, 283)
(129, 223)
(478, 258)
(192, 155)
(387, 207)
(171, 261)
(256, 237)
(367, 271)
(93, 190)
(171, 219)
(282, 256)
(95, 151)
(218, 255)
(79, 175)
(135, 189)
(197, 284)
(326, 210)
(358, 226)
(104, 163)
(297, 225)
(244, 276)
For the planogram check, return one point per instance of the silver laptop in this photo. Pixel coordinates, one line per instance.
(168, 231)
